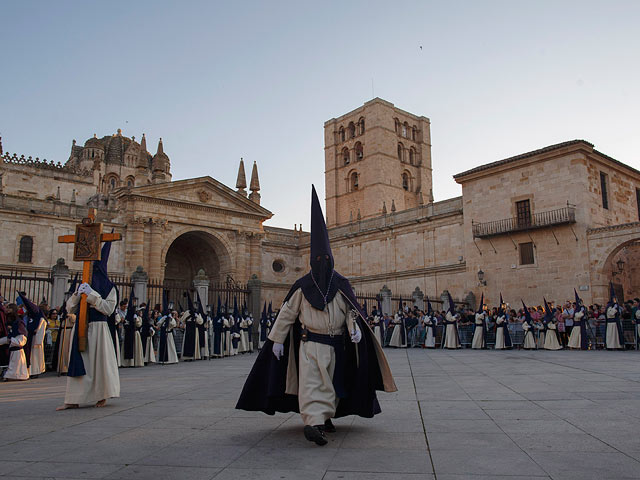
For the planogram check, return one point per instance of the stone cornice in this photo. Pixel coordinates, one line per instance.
(428, 271)
(613, 228)
(190, 206)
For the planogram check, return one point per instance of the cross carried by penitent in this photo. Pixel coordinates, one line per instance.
(87, 249)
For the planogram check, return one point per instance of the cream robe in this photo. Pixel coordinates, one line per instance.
(314, 386)
(551, 339)
(529, 339)
(576, 333)
(227, 337)
(613, 341)
(478, 334)
(65, 344)
(429, 338)
(37, 350)
(396, 335)
(204, 351)
(149, 354)
(17, 369)
(500, 345)
(377, 328)
(233, 350)
(172, 355)
(138, 357)
(101, 380)
(245, 346)
(118, 320)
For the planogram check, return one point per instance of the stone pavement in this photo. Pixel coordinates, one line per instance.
(462, 414)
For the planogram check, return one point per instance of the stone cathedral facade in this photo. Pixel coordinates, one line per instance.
(536, 224)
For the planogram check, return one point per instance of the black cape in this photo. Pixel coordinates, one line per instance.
(265, 387)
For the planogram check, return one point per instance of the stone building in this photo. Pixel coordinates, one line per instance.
(536, 224)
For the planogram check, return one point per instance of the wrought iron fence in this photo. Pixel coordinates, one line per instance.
(538, 220)
(37, 285)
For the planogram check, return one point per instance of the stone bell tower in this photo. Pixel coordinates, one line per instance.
(377, 160)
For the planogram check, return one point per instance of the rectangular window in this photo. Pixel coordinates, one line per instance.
(603, 189)
(25, 254)
(526, 253)
(523, 212)
(638, 201)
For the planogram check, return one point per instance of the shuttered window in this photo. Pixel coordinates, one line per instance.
(526, 254)
(26, 250)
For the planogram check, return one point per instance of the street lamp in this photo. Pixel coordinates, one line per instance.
(620, 265)
(481, 278)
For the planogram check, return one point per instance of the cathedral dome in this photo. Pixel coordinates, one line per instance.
(94, 142)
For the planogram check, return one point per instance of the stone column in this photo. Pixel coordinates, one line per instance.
(255, 292)
(60, 273)
(156, 262)
(418, 298)
(134, 249)
(201, 284)
(139, 279)
(385, 300)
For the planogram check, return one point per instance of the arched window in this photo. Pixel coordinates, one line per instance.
(341, 134)
(112, 183)
(397, 125)
(405, 181)
(405, 129)
(359, 151)
(352, 130)
(414, 134)
(25, 255)
(129, 183)
(412, 155)
(353, 180)
(361, 123)
(93, 154)
(345, 156)
(400, 152)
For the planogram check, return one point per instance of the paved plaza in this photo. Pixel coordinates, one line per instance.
(462, 414)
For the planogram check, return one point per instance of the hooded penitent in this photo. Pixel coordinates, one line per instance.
(503, 325)
(189, 341)
(527, 314)
(365, 369)
(484, 321)
(145, 330)
(130, 328)
(62, 315)
(101, 284)
(451, 310)
(34, 314)
(613, 302)
(263, 323)
(163, 354)
(200, 327)
(584, 344)
(548, 317)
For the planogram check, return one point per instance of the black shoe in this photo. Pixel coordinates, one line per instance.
(328, 426)
(314, 434)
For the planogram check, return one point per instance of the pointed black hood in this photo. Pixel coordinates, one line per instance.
(320, 285)
(100, 279)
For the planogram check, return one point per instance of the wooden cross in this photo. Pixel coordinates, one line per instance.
(87, 249)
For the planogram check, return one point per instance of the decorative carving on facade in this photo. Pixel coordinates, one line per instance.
(204, 196)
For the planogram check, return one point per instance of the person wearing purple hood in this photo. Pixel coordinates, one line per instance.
(321, 358)
(93, 374)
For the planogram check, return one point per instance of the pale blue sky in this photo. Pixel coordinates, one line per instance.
(223, 80)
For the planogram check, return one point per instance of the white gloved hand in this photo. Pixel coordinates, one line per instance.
(85, 288)
(356, 336)
(278, 350)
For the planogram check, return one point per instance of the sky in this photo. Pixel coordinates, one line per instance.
(218, 81)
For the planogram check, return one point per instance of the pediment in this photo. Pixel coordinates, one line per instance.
(204, 191)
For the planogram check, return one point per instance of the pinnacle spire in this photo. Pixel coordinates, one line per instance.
(255, 182)
(143, 143)
(241, 182)
(160, 150)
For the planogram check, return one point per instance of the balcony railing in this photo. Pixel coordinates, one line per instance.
(538, 220)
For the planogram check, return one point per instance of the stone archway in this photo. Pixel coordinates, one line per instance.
(608, 246)
(195, 250)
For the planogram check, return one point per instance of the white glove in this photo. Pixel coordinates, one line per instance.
(356, 336)
(278, 350)
(85, 288)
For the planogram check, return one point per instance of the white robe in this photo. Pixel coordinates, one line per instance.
(149, 354)
(118, 356)
(37, 365)
(17, 369)
(244, 336)
(451, 339)
(478, 334)
(101, 380)
(172, 355)
(500, 344)
(613, 341)
(204, 351)
(429, 338)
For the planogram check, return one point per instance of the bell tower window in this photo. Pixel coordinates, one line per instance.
(345, 156)
(400, 152)
(341, 134)
(405, 181)
(359, 151)
(354, 181)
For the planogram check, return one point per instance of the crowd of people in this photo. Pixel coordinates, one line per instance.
(549, 326)
(141, 335)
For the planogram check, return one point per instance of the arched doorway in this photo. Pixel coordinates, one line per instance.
(623, 269)
(193, 251)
